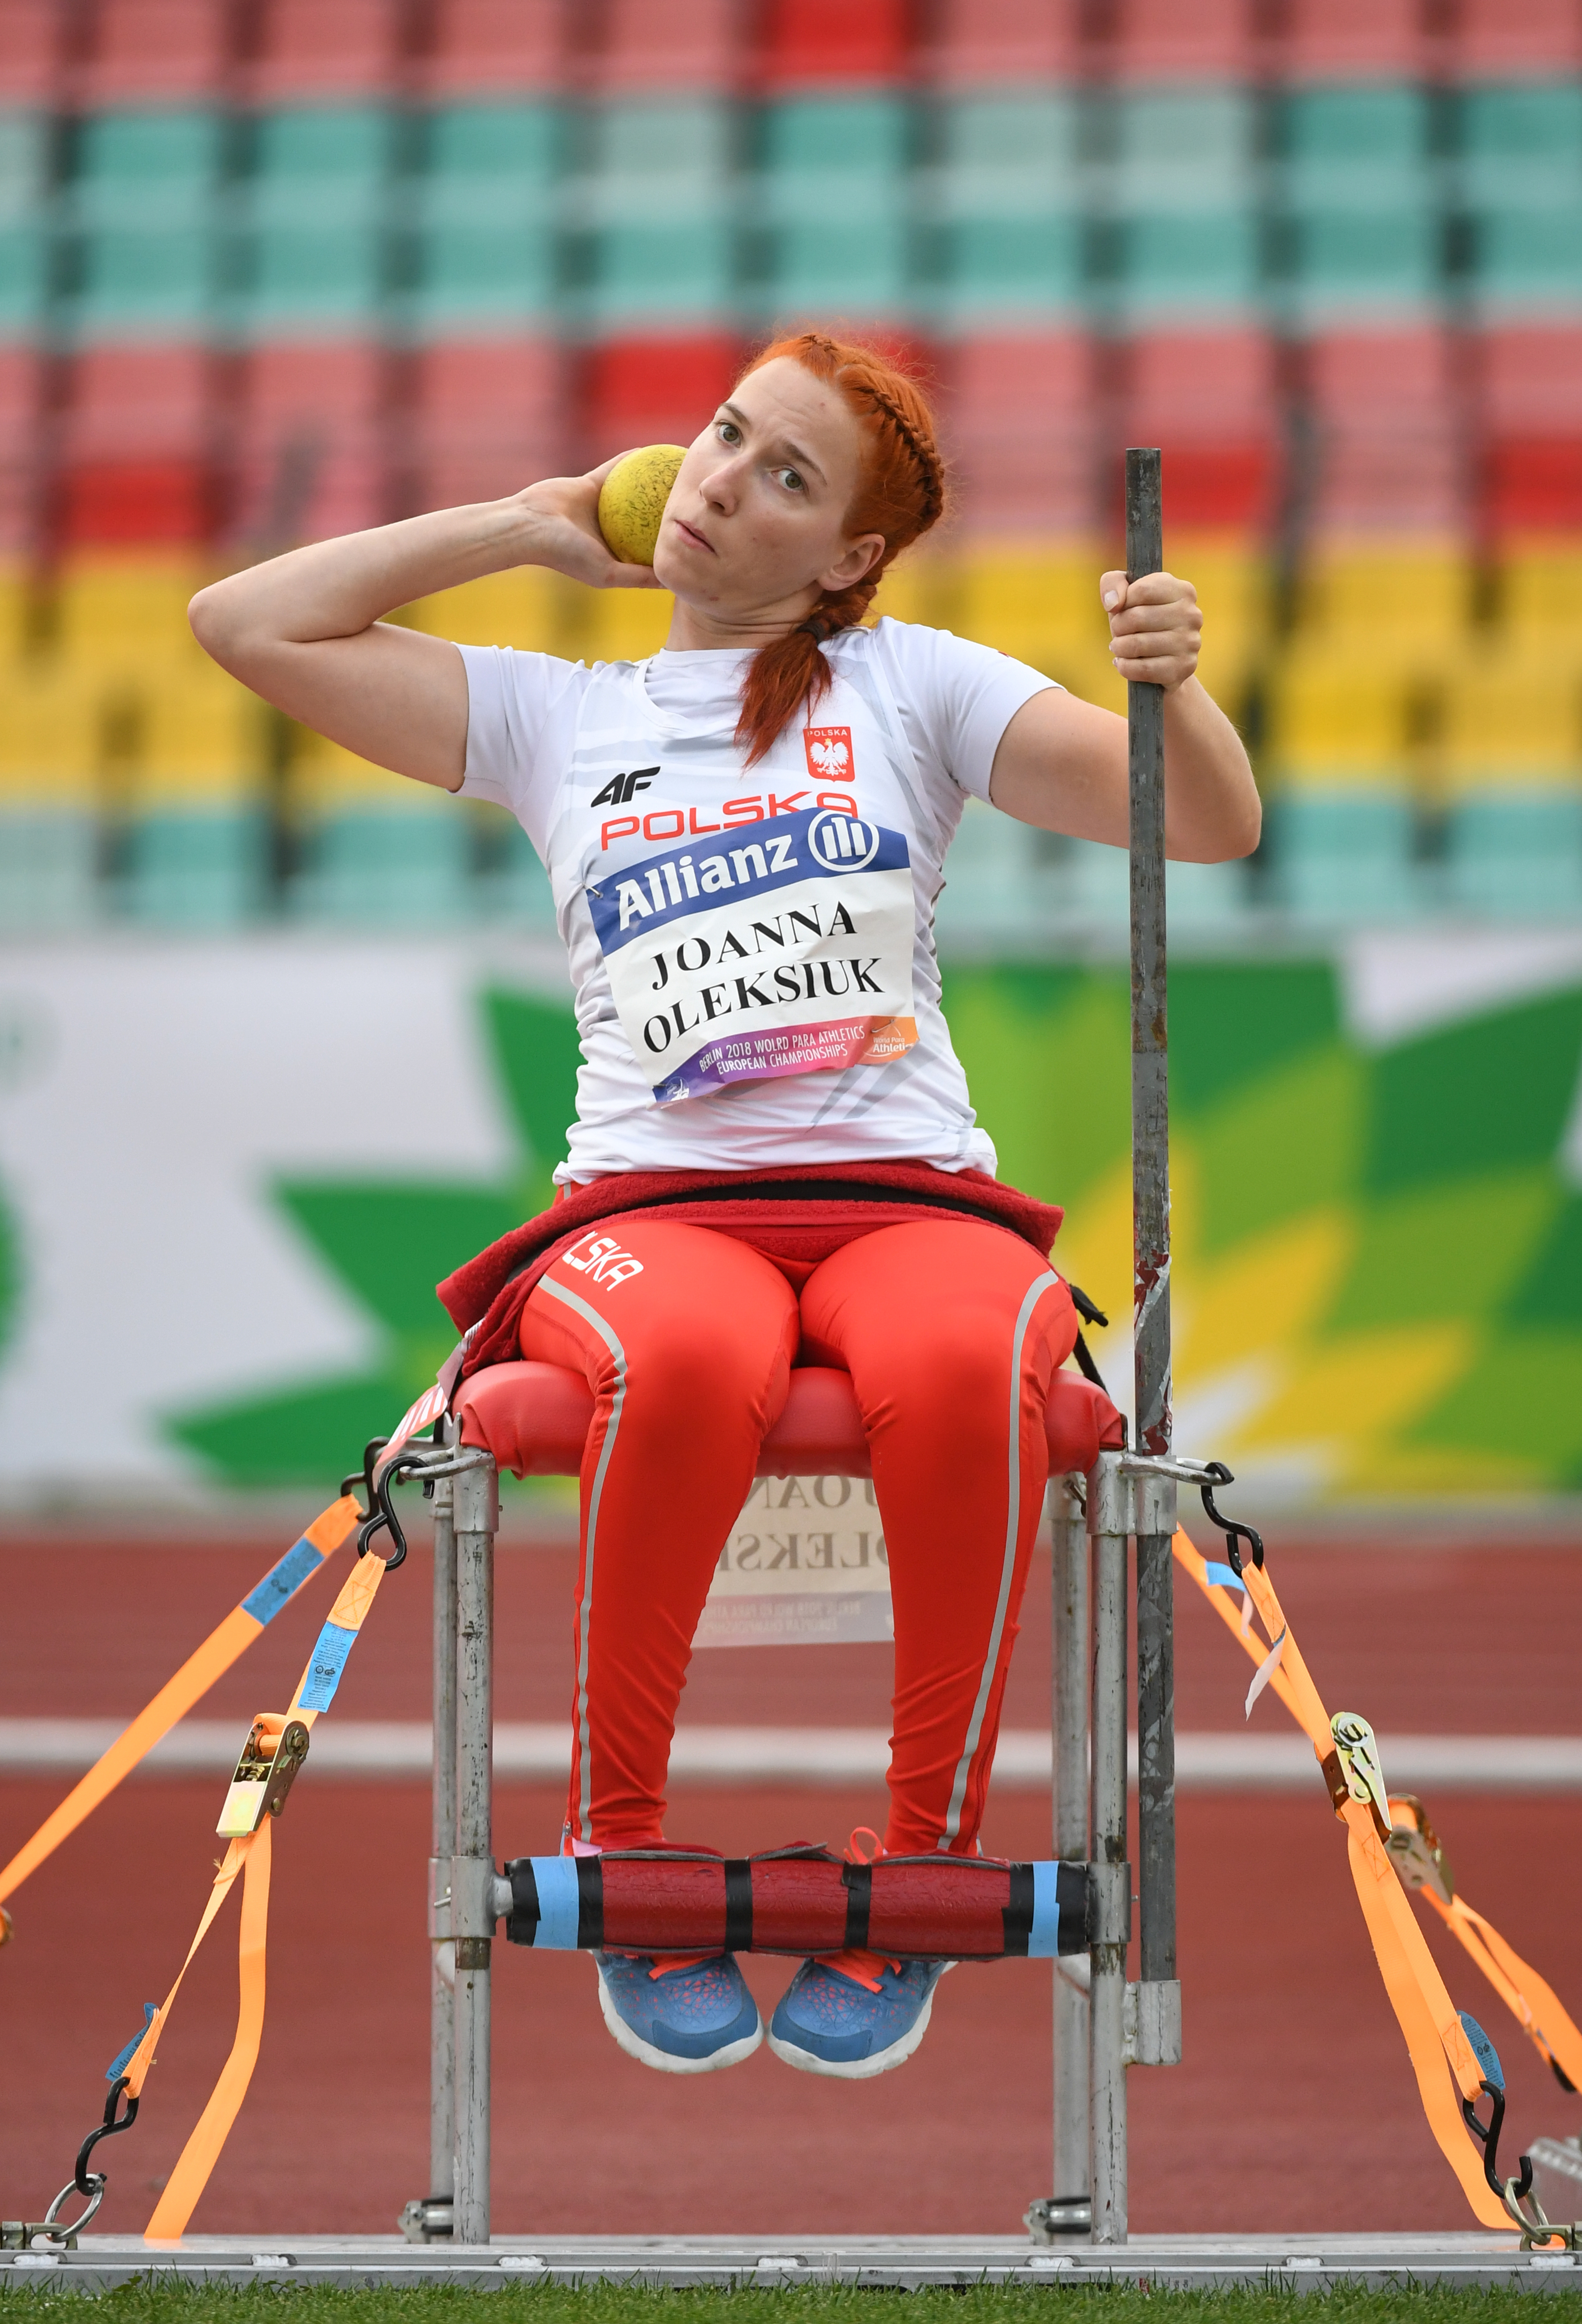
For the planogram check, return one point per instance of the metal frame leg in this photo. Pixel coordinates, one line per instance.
(1068, 1529)
(477, 1517)
(442, 1971)
(1109, 1899)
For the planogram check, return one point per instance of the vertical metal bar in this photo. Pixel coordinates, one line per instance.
(1070, 1545)
(1109, 1880)
(442, 1971)
(472, 1866)
(1151, 1252)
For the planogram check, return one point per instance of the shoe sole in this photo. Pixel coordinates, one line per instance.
(662, 2060)
(860, 2070)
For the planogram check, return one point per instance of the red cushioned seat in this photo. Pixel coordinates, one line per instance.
(534, 1419)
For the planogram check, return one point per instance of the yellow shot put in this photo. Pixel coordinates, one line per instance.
(631, 501)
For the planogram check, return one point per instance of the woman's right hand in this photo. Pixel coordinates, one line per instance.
(565, 535)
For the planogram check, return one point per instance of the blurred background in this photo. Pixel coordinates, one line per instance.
(274, 271)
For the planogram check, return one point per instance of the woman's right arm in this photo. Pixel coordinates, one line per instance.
(304, 629)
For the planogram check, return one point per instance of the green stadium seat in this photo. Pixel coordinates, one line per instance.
(658, 211)
(24, 238)
(836, 201)
(197, 843)
(1005, 265)
(1344, 855)
(661, 265)
(484, 219)
(1521, 138)
(147, 220)
(838, 136)
(676, 149)
(1348, 256)
(1516, 856)
(49, 800)
(196, 869)
(315, 216)
(1529, 255)
(1191, 144)
(1197, 263)
(1339, 137)
(1005, 206)
(521, 891)
(373, 868)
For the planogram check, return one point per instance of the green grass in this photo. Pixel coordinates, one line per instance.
(147, 2304)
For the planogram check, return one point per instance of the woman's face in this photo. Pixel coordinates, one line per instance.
(757, 521)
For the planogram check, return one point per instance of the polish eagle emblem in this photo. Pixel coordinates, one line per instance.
(829, 752)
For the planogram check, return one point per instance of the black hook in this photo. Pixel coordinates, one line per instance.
(108, 2129)
(1218, 1474)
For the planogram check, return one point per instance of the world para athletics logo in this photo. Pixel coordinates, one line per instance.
(841, 843)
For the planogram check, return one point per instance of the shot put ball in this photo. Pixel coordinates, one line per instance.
(631, 501)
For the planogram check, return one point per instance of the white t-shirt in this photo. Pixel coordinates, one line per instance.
(753, 953)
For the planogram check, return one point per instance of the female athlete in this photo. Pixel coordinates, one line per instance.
(775, 1158)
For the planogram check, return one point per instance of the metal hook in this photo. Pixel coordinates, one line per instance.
(1218, 1474)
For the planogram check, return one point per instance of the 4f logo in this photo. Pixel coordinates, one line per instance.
(829, 752)
(622, 790)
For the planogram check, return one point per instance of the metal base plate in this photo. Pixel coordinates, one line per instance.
(1185, 2262)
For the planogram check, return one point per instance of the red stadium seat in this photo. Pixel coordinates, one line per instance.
(1493, 38)
(154, 50)
(534, 1419)
(806, 42)
(1003, 42)
(323, 48)
(1201, 40)
(654, 390)
(1209, 399)
(657, 43)
(32, 39)
(1531, 418)
(488, 416)
(495, 48)
(312, 449)
(1021, 417)
(1351, 39)
(135, 462)
(22, 400)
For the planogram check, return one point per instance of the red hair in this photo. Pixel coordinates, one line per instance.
(900, 492)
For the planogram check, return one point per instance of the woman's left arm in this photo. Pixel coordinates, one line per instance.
(1061, 763)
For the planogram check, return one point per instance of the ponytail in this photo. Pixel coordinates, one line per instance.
(901, 494)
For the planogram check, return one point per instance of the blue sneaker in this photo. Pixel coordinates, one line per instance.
(855, 2013)
(686, 2017)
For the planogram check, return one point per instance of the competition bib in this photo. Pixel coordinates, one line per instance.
(784, 948)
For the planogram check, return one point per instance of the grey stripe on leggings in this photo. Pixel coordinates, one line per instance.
(585, 1613)
(975, 1724)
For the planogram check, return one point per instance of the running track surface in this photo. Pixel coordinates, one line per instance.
(1295, 2109)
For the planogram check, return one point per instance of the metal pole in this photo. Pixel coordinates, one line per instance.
(1069, 1544)
(478, 1515)
(442, 1967)
(1109, 1875)
(1151, 1253)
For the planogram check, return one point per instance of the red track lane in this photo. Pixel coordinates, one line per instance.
(1296, 2108)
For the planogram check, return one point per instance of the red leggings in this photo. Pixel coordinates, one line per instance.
(951, 1330)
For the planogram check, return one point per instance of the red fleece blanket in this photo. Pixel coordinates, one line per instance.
(795, 1230)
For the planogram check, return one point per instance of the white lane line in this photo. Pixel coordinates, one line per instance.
(373, 1749)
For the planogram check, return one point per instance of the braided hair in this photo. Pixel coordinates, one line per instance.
(901, 493)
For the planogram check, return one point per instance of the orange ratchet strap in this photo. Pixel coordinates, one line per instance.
(197, 1674)
(1348, 1759)
(276, 1746)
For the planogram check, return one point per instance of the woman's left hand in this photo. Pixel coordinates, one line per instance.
(1155, 627)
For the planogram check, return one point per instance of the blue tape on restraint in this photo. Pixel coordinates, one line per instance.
(1043, 1938)
(1226, 1575)
(324, 1672)
(282, 1582)
(555, 1878)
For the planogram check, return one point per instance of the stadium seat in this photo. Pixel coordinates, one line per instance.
(652, 390)
(1195, 146)
(1328, 40)
(1039, 603)
(484, 216)
(1390, 454)
(376, 849)
(1343, 856)
(1497, 37)
(1365, 257)
(534, 1418)
(1512, 776)
(161, 50)
(24, 222)
(312, 452)
(1006, 201)
(835, 198)
(198, 841)
(323, 49)
(1540, 593)
(50, 758)
(1209, 399)
(1528, 254)
(145, 205)
(1531, 418)
(133, 446)
(686, 44)
(489, 48)
(1021, 429)
(1516, 855)
(810, 40)
(1184, 40)
(1188, 263)
(624, 625)
(1520, 142)
(1396, 602)
(315, 218)
(22, 407)
(486, 418)
(32, 54)
(661, 222)
(1343, 140)
(117, 615)
(1007, 43)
